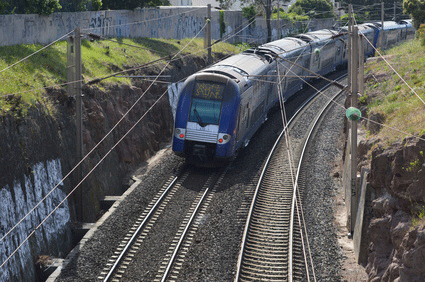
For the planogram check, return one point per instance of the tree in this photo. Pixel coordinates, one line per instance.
(249, 13)
(416, 9)
(313, 8)
(225, 4)
(41, 7)
(132, 4)
(80, 5)
(267, 7)
(370, 10)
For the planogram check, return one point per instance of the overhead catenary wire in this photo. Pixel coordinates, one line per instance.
(96, 80)
(290, 153)
(85, 157)
(145, 21)
(392, 68)
(36, 52)
(163, 94)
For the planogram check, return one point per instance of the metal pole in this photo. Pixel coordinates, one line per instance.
(278, 20)
(79, 120)
(209, 35)
(354, 92)
(394, 11)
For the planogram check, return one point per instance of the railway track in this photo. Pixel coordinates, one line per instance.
(204, 183)
(275, 245)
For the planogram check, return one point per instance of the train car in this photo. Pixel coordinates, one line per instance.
(408, 31)
(369, 31)
(293, 52)
(222, 106)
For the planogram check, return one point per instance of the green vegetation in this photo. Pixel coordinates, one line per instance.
(27, 80)
(249, 13)
(46, 7)
(313, 8)
(416, 9)
(414, 166)
(388, 95)
(293, 17)
(419, 217)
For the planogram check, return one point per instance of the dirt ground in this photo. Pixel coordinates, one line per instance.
(351, 271)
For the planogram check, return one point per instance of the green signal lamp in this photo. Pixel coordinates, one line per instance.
(353, 114)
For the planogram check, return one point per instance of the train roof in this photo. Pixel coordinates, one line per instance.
(238, 67)
(286, 44)
(364, 28)
(316, 36)
(406, 22)
(387, 25)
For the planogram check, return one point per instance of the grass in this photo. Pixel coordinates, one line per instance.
(26, 81)
(392, 98)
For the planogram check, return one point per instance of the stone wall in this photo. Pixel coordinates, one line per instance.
(162, 22)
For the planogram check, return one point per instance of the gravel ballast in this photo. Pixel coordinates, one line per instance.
(214, 253)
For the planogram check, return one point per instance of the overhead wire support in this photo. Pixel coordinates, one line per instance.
(334, 82)
(84, 158)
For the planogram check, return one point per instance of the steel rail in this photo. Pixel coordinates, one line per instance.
(194, 213)
(130, 242)
(255, 197)
(294, 198)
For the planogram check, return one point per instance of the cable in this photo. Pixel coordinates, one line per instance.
(85, 157)
(27, 57)
(385, 60)
(102, 78)
(145, 21)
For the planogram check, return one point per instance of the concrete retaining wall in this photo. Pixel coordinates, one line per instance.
(162, 22)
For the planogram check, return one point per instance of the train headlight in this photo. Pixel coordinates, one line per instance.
(180, 133)
(223, 138)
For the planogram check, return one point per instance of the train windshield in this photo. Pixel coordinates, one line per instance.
(206, 103)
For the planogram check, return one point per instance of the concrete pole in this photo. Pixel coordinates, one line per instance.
(209, 35)
(70, 70)
(278, 20)
(361, 64)
(349, 43)
(382, 14)
(354, 91)
(79, 120)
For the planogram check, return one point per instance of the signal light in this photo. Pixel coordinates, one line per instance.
(220, 140)
(181, 135)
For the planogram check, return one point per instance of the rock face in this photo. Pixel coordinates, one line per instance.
(31, 166)
(38, 149)
(397, 246)
(144, 133)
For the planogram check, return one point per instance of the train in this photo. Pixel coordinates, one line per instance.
(222, 106)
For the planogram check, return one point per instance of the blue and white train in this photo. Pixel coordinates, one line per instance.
(222, 106)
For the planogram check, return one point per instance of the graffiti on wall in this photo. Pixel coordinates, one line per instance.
(101, 24)
(189, 26)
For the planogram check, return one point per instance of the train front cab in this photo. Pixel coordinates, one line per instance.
(205, 119)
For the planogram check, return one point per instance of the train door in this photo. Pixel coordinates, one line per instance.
(270, 88)
(306, 65)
